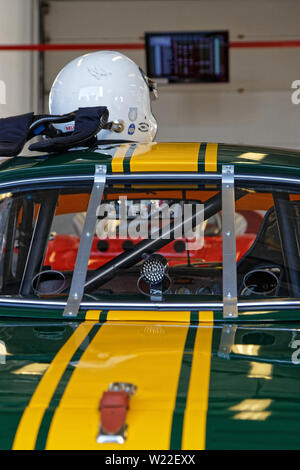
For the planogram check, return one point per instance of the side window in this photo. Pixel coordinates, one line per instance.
(268, 257)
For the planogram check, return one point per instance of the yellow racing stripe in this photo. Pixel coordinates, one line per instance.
(194, 428)
(165, 157)
(141, 315)
(93, 315)
(118, 158)
(30, 422)
(147, 355)
(152, 316)
(211, 154)
(148, 315)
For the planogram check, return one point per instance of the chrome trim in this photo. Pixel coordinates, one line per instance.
(143, 177)
(164, 177)
(114, 177)
(278, 179)
(154, 305)
(268, 303)
(171, 305)
(29, 302)
(195, 176)
(51, 179)
(114, 305)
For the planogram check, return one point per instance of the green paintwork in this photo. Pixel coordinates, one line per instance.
(258, 367)
(260, 160)
(267, 161)
(28, 345)
(254, 398)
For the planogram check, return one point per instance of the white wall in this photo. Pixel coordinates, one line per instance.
(18, 77)
(255, 107)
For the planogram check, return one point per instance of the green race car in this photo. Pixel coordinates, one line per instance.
(150, 298)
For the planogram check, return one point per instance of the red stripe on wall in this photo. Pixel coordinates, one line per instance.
(263, 44)
(134, 46)
(69, 47)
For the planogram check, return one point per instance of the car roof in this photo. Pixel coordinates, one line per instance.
(154, 157)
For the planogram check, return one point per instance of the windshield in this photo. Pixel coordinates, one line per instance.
(41, 234)
(154, 242)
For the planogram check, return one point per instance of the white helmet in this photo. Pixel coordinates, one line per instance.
(110, 79)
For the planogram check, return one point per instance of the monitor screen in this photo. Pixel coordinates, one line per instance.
(188, 57)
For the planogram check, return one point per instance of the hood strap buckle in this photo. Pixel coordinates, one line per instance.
(114, 405)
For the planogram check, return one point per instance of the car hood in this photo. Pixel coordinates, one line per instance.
(199, 385)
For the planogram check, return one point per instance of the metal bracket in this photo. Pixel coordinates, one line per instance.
(229, 243)
(85, 245)
(227, 341)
